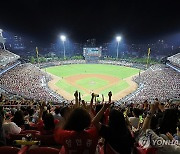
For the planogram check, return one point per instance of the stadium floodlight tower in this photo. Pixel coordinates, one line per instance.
(63, 39)
(118, 39)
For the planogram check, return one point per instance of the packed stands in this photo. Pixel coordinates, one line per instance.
(57, 63)
(8, 60)
(146, 123)
(97, 127)
(7, 57)
(110, 62)
(159, 82)
(175, 59)
(28, 81)
(122, 63)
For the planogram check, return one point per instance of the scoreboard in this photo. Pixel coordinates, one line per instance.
(95, 52)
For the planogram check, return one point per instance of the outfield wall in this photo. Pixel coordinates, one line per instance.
(110, 62)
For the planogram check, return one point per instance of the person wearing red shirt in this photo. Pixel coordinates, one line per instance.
(77, 136)
(117, 136)
(47, 125)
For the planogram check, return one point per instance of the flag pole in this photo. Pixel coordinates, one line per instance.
(139, 76)
(37, 55)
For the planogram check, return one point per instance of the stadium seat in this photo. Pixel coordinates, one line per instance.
(24, 150)
(9, 150)
(62, 151)
(43, 150)
(139, 150)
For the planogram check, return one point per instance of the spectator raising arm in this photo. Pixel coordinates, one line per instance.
(97, 118)
(147, 121)
(41, 111)
(76, 99)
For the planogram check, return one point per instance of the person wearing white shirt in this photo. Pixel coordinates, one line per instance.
(10, 127)
(135, 120)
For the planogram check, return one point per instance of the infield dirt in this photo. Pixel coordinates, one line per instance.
(111, 81)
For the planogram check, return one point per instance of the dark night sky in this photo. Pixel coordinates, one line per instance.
(136, 20)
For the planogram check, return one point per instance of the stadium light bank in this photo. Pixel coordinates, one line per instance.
(63, 39)
(118, 39)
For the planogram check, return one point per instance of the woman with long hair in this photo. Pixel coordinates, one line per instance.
(76, 135)
(18, 118)
(117, 136)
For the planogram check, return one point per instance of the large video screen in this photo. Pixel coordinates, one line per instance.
(92, 52)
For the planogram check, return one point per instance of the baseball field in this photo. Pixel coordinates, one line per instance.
(88, 78)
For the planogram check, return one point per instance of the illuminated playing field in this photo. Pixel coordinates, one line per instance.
(88, 78)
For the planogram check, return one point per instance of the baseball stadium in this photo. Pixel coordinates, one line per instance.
(59, 80)
(89, 77)
(92, 78)
(67, 105)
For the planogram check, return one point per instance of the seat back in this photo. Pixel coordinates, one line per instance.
(139, 150)
(9, 150)
(24, 149)
(62, 150)
(43, 150)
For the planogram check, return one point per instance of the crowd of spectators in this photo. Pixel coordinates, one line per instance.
(57, 63)
(7, 57)
(95, 127)
(175, 59)
(158, 81)
(29, 81)
(110, 62)
(3, 68)
(148, 125)
(122, 63)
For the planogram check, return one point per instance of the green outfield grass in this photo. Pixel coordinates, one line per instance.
(92, 83)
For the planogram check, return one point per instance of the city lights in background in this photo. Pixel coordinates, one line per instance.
(118, 47)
